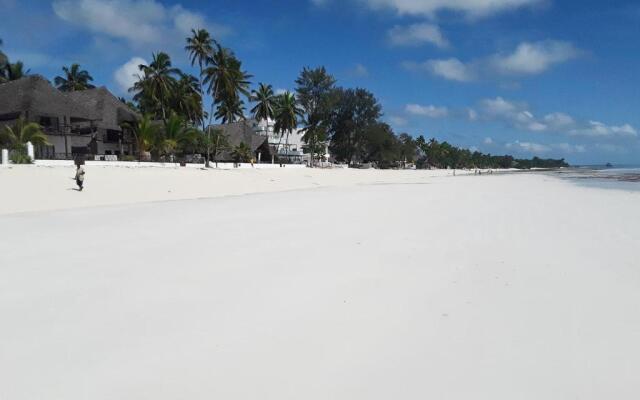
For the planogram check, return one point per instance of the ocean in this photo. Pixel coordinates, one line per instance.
(623, 177)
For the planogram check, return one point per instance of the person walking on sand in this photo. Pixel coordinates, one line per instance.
(80, 177)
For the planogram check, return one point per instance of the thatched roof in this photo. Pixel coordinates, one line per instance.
(110, 110)
(35, 95)
(239, 132)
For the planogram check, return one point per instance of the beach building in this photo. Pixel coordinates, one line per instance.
(243, 132)
(90, 123)
(292, 148)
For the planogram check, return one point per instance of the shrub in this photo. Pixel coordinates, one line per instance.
(20, 157)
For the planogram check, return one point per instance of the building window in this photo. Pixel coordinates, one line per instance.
(112, 136)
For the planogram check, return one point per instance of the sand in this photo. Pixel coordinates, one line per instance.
(365, 285)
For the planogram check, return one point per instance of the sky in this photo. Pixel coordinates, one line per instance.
(547, 78)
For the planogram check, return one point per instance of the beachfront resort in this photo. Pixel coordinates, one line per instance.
(345, 200)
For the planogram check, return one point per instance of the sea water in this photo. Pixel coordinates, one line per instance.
(624, 177)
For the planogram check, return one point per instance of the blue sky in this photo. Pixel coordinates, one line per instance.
(526, 77)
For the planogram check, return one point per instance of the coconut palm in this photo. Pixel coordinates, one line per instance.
(241, 153)
(225, 78)
(4, 60)
(177, 135)
(17, 137)
(200, 46)
(186, 99)
(230, 110)
(74, 79)
(265, 103)
(145, 132)
(16, 71)
(287, 113)
(158, 81)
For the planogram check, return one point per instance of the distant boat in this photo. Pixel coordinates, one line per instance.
(609, 165)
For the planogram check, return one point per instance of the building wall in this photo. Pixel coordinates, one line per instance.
(296, 144)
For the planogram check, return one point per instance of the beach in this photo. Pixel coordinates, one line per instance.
(316, 284)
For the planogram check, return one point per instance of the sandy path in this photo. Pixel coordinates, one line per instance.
(501, 287)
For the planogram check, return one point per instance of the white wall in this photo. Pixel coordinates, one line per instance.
(135, 164)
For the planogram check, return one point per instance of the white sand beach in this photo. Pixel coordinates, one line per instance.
(316, 284)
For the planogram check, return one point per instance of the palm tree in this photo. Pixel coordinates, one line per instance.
(265, 104)
(145, 132)
(200, 46)
(230, 110)
(16, 71)
(226, 82)
(158, 80)
(17, 137)
(225, 78)
(4, 60)
(186, 99)
(241, 153)
(287, 113)
(177, 135)
(74, 79)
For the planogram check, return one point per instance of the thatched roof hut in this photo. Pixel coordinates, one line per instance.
(111, 112)
(239, 132)
(34, 96)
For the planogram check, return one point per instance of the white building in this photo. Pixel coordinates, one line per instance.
(291, 146)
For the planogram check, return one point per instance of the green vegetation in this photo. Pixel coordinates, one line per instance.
(265, 101)
(287, 114)
(16, 137)
(444, 155)
(10, 71)
(241, 153)
(74, 79)
(346, 120)
(315, 92)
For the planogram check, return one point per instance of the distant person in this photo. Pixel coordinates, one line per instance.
(252, 163)
(80, 177)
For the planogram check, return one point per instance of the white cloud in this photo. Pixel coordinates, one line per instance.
(451, 69)
(526, 59)
(127, 74)
(417, 34)
(427, 111)
(280, 91)
(519, 116)
(138, 22)
(534, 58)
(570, 148)
(359, 71)
(599, 129)
(539, 149)
(515, 114)
(398, 121)
(473, 8)
(528, 147)
(34, 60)
(559, 120)
(472, 114)
(612, 148)
(487, 141)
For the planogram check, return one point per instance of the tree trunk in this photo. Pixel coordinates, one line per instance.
(286, 151)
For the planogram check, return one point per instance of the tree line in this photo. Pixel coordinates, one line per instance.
(346, 120)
